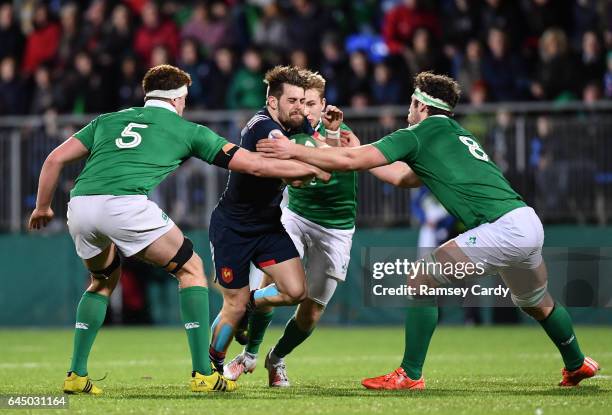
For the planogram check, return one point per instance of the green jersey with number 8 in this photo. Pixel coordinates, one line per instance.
(133, 150)
(451, 163)
(333, 204)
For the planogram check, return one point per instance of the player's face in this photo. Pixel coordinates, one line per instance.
(179, 104)
(415, 113)
(291, 106)
(313, 107)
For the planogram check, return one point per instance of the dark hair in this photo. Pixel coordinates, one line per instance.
(165, 77)
(280, 75)
(438, 86)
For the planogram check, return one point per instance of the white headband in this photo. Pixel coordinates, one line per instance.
(167, 93)
(427, 99)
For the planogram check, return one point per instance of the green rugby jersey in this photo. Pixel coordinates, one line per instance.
(333, 204)
(451, 163)
(133, 150)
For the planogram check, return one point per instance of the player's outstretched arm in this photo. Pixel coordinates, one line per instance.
(327, 158)
(69, 151)
(398, 174)
(249, 162)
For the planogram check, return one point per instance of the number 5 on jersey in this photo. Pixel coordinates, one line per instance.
(128, 133)
(474, 148)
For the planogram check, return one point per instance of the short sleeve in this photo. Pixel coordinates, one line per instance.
(86, 134)
(400, 145)
(206, 144)
(262, 129)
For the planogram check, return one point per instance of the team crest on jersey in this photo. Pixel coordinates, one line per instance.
(227, 274)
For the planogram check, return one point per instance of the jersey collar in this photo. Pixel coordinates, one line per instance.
(160, 104)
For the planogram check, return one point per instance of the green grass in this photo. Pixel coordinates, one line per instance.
(506, 370)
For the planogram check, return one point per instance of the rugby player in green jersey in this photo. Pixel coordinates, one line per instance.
(504, 235)
(129, 153)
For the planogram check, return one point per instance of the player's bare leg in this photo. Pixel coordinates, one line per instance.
(105, 273)
(224, 326)
(421, 321)
(528, 288)
(175, 253)
(289, 285)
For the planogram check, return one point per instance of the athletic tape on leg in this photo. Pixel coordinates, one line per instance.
(268, 291)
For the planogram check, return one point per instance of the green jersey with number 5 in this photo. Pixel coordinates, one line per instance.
(333, 204)
(133, 150)
(450, 161)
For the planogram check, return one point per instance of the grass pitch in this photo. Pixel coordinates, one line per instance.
(505, 370)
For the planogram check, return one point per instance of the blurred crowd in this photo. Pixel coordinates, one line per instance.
(89, 56)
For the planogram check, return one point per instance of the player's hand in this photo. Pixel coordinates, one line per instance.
(279, 147)
(349, 139)
(322, 175)
(332, 118)
(40, 218)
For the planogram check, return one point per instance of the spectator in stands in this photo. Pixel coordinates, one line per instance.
(129, 88)
(44, 96)
(270, 31)
(592, 61)
(220, 30)
(160, 56)
(12, 90)
(11, 38)
(93, 28)
(191, 63)
(555, 76)
(469, 67)
(585, 18)
(247, 90)
(219, 77)
(117, 39)
(305, 26)
(298, 58)
(460, 23)
(198, 25)
(333, 68)
(403, 20)
(504, 15)
(499, 139)
(424, 56)
(385, 89)
(42, 42)
(477, 122)
(84, 89)
(153, 32)
(71, 40)
(358, 78)
(502, 70)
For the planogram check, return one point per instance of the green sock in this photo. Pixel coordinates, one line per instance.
(89, 318)
(292, 337)
(421, 321)
(258, 323)
(194, 314)
(558, 326)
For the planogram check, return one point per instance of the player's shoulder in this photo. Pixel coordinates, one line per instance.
(261, 119)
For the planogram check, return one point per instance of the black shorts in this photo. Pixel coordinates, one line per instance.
(233, 251)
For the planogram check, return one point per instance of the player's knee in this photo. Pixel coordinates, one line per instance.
(192, 273)
(534, 302)
(295, 295)
(233, 310)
